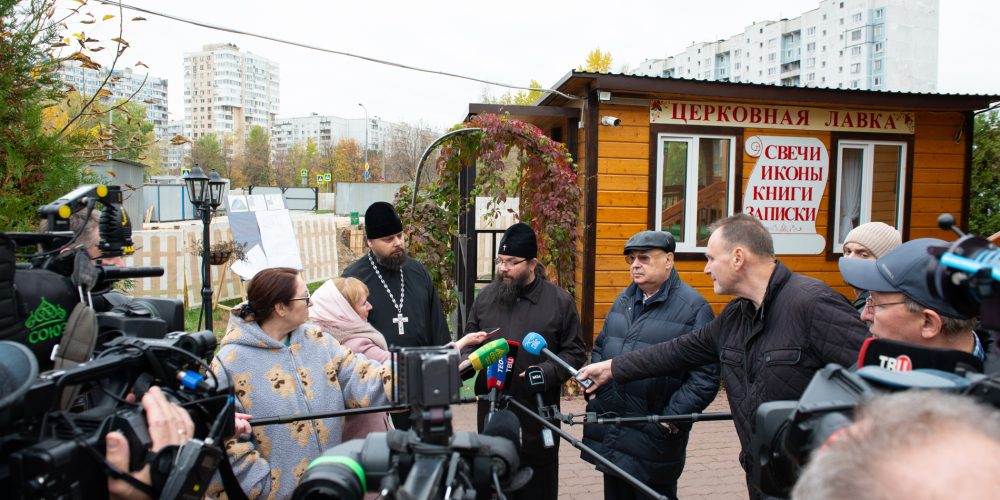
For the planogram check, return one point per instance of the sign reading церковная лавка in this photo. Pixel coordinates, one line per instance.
(728, 114)
(785, 188)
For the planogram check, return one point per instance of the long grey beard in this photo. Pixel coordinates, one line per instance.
(390, 262)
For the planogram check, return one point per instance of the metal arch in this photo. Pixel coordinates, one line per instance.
(427, 152)
(433, 145)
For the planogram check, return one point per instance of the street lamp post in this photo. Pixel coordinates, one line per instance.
(205, 193)
(367, 125)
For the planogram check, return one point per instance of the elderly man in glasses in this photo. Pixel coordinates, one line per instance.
(902, 307)
(520, 300)
(655, 308)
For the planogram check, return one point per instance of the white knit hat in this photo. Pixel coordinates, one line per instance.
(877, 237)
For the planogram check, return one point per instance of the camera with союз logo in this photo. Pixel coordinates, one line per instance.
(53, 423)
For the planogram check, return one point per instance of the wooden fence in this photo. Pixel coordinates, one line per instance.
(170, 246)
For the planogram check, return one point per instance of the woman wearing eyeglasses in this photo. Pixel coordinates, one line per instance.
(279, 364)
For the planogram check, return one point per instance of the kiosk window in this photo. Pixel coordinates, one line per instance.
(870, 183)
(694, 186)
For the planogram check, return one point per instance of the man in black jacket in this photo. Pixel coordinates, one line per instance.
(655, 308)
(519, 301)
(778, 331)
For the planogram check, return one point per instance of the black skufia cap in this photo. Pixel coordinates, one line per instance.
(381, 221)
(519, 241)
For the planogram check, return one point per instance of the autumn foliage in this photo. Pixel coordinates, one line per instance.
(546, 183)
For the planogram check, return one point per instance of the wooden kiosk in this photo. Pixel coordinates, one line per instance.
(811, 163)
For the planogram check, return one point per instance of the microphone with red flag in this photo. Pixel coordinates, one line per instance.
(898, 356)
(496, 374)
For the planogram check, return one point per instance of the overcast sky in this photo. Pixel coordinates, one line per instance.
(513, 42)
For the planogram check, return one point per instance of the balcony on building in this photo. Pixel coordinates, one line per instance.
(790, 69)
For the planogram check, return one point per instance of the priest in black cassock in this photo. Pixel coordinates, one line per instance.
(522, 300)
(405, 304)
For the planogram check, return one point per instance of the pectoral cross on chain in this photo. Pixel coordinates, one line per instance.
(399, 320)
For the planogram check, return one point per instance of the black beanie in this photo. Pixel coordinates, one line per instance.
(381, 221)
(519, 241)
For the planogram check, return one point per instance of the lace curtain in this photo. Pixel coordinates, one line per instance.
(850, 191)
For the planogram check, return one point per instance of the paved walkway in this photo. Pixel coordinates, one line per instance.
(712, 470)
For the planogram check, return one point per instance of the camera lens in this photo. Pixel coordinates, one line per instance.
(201, 344)
(331, 477)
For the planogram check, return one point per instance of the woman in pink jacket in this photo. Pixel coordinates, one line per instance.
(340, 307)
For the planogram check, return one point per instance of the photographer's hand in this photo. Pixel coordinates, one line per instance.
(168, 424)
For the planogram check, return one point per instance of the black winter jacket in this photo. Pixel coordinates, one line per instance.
(648, 451)
(766, 354)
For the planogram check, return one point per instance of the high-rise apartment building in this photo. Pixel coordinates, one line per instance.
(849, 44)
(149, 91)
(174, 155)
(327, 130)
(228, 91)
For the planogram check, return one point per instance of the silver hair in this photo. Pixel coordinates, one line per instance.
(886, 427)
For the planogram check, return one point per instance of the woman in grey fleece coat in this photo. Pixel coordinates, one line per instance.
(280, 365)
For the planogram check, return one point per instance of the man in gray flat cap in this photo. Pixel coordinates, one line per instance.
(655, 308)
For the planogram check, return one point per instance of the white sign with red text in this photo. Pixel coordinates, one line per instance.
(738, 114)
(785, 188)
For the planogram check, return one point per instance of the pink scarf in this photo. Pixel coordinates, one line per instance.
(333, 314)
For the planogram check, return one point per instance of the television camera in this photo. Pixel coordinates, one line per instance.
(55, 278)
(53, 422)
(430, 461)
(966, 274)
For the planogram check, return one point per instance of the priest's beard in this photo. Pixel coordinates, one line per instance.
(509, 291)
(392, 261)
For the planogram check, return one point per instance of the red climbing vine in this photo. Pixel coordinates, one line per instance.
(546, 183)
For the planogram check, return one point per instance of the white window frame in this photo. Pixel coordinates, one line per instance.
(867, 176)
(690, 236)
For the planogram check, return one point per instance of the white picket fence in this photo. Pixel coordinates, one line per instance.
(170, 246)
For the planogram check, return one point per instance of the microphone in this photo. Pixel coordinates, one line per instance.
(506, 425)
(487, 354)
(501, 442)
(536, 384)
(536, 344)
(496, 376)
(898, 356)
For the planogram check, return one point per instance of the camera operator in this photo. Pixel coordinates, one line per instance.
(780, 328)
(168, 424)
(909, 445)
(90, 238)
(901, 305)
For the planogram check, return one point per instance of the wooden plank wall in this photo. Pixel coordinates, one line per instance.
(938, 171)
(623, 199)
